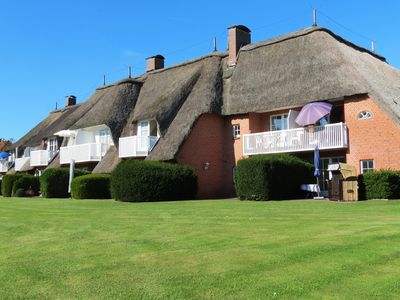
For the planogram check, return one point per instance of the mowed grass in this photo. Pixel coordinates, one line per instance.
(224, 249)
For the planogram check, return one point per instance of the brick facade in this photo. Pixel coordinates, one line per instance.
(377, 138)
(213, 152)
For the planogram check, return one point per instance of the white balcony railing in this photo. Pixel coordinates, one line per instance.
(20, 162)
(136, 146)
(90, 152)
(40, 158)
(331, 136)
(4, 164)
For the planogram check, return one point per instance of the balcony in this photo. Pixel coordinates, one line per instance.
(40, 158)
(136, 146)
(91, 152)
(331, 136)
(21, 162)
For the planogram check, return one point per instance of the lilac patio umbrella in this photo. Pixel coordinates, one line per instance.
(312, 112)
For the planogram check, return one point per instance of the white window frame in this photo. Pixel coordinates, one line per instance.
(362, 170)
(236, 131)
(52, 146)
(140, 125)
(271, 123)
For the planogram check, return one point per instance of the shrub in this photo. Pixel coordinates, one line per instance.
(92, 186)
(28, 183)
(19, 193)
(8, 182)
(382, 184)
(54, 182)
(274, 176)
(135, 180)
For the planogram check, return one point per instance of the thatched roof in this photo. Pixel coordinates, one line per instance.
(109, 161)
(304, 66)
(176, 97)
(55, 121)
(110, 105)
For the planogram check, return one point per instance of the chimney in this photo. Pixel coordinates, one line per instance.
(155, 62)
(238, 36)
(70, 100)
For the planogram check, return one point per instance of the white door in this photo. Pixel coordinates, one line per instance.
(323, 166)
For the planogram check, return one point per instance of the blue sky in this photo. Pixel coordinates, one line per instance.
(50, 49)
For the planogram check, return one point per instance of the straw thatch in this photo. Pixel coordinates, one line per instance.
(110, 105)
(55, 121)
(108, 162)
(292, 70)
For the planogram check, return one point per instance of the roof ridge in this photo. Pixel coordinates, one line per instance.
(306, 31)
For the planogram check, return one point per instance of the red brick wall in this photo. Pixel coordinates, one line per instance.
(205, 144)
(377, 138)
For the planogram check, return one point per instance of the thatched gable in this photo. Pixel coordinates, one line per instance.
(175, 97)
(110, 105)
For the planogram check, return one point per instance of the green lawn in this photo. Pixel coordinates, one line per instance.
(199, 249)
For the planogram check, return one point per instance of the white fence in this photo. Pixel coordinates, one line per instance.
(136, 146)
(331, 136)
(40, 158)
(83, 153)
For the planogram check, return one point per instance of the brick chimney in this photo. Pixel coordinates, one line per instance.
(155, 62)
(238, 36)
(70, 100)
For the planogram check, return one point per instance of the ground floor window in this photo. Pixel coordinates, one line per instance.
(367, 165)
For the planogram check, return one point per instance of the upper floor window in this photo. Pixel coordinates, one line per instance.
(105, 136)
(367, 165)
(52, 146)
(236, 131)
(279, 122)
(364, 115)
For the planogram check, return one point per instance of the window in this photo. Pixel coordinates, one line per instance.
(279, 122)
(52, 147)
(236, 131)
(143, 128)
(105, 136)
(367, 165)
(364, 115)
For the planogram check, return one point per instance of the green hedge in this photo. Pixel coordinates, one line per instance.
(92, 186)
(29, 184)
(54, 182)
(382, 184)
(135, 181)
(272, 177)
(8, 182)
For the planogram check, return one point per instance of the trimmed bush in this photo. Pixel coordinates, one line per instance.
(272, 177)
(92, 186)
(136, 181)
(28, 183)
(19, 193)
(382, 184)
(8, 182)
(54, 182)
